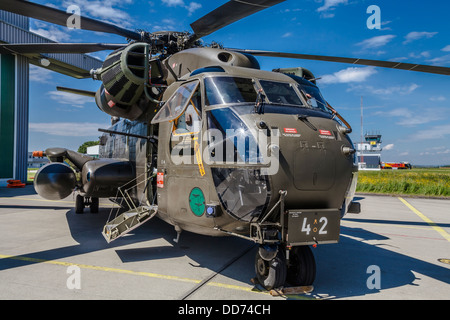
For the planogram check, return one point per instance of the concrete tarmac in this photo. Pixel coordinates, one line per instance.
(396, 248)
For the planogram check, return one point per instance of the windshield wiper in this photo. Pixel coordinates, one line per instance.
(304, 119)
(260, 101)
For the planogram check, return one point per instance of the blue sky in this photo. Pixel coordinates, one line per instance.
(409, 109)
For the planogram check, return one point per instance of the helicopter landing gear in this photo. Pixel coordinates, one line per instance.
(270, 267)
(301, 266)
(273, 268)
(82, 202)
(178, 230)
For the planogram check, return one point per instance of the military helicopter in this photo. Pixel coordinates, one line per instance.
(206, 141)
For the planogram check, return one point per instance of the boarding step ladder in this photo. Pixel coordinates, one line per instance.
(137, 214)
(128, 221)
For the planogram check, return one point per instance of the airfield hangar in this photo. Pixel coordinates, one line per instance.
(14, 90)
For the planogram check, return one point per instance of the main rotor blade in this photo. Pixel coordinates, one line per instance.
(228, 13)
(366, 62)
(52, 15)
(24, 48)
(77, 91)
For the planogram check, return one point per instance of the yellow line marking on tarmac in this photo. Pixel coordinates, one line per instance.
(344, 222)
(54, 201)
(130, 272)
(107, 269)
(426, 219)
(33, 199)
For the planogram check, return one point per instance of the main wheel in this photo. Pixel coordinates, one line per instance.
(94, 205)
(79, 204)
(271, 274)
(302, 266)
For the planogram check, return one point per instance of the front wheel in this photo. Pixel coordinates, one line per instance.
(271, 274)
(302, 266)
(94, 205)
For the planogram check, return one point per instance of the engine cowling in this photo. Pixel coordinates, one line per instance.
(123, 74)
(106, 103)
(123, 82)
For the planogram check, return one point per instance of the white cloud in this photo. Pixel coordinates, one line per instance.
(173, 3)
(385, 23)
(107, 10)
(386, 92)
(74, 100)
(433, 133)
(439, 61)
(415, 35)
(436, 151)
(330, 4)
(68, 129)
(376, 42)
(348, 75)
(327, 15)
(51, 32)
(423, 54)
(287, 35)
(166, 24)
(409, 118)
(39, 74)
(191, 7)
(438, 98)
(406, 89)
(446, 48)
(389, 147)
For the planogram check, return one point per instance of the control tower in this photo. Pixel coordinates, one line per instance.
(369, 152)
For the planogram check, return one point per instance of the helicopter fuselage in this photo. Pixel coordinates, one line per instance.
(223, 159)
(230, 151)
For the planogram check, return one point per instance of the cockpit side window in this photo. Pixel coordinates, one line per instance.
(313, 97)
(177, 103)
(311, 93)
(189, 122)
(185, 136)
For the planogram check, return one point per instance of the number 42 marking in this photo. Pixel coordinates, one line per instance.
(306, 227)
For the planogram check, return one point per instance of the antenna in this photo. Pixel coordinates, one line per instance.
(361, 143)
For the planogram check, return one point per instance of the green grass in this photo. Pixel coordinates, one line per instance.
(423, 182)
(31, 173)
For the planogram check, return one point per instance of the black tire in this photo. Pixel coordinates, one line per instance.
(271, 274)
(79, 204)
(302, 267)
(94, 205)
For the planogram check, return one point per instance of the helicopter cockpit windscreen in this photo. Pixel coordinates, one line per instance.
(280, 93)
(227, 90)
(223, 90)
(177, 103)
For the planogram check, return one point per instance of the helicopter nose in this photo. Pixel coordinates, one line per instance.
(315, 160)
(314, 168)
